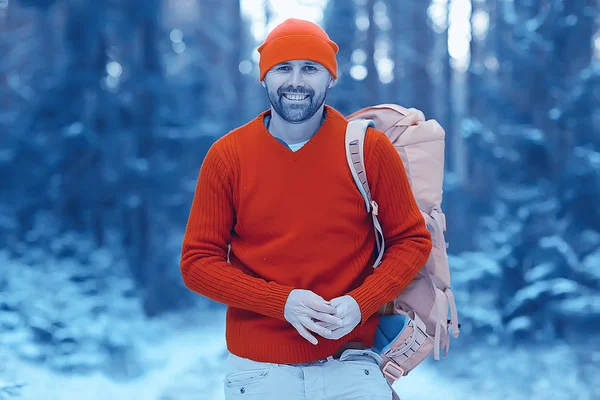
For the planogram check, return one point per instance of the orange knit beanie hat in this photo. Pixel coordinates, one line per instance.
(296, 39)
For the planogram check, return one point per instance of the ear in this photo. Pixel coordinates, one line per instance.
(332, 82)
(263, 83)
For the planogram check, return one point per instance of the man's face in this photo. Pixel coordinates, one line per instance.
(297, 89)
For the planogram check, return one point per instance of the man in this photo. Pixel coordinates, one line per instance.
(279, 232)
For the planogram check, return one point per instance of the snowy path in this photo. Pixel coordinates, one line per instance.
(169, 359)
(187, 366)
(426, 383)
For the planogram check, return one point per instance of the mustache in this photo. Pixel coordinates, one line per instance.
(292, 90)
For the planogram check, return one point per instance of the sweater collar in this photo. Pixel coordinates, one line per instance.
(330, 121)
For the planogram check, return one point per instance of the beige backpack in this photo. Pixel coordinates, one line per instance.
(426, 300)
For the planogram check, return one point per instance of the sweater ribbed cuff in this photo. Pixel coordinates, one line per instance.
(380, 287)
(276, 299)
(366, 301)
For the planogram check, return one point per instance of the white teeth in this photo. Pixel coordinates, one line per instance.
(290, 96)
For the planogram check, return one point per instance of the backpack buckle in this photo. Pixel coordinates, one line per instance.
(374, 208)
(395, 368)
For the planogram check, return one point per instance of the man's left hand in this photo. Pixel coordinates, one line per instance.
(348, 310)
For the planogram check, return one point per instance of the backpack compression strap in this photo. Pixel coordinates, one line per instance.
(355, 138)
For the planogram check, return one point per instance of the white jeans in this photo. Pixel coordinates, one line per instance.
(356, 375)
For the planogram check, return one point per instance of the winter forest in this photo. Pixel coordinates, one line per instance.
(107, 109)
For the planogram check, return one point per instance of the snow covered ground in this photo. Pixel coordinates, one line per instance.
(183, 348)
(186, 365)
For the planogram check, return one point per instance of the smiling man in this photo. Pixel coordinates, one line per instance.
(279, 232)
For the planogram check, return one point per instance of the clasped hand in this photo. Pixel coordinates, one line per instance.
(307, 311)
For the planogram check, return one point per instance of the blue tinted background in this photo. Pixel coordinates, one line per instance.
(107, 109)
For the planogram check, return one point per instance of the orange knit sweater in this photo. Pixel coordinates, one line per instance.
(297, 220)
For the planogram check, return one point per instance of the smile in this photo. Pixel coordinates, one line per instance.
(295, 97)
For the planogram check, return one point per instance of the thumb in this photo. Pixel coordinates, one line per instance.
(336, 302)
(318, 303)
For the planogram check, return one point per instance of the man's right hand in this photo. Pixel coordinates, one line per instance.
(303, 309)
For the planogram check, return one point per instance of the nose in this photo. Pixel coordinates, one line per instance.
(296, 79)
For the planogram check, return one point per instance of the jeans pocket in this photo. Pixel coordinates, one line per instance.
(246, 378)
(367, 356)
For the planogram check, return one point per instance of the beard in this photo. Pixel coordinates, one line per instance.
(296, 112)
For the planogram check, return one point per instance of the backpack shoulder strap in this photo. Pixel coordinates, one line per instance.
(355, 139)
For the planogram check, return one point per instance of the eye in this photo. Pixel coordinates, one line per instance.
(283, 68)
(310, 68)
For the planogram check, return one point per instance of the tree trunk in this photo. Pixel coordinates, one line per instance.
(236, 56)
(145, 261)
(372, 80)
(422, 45)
